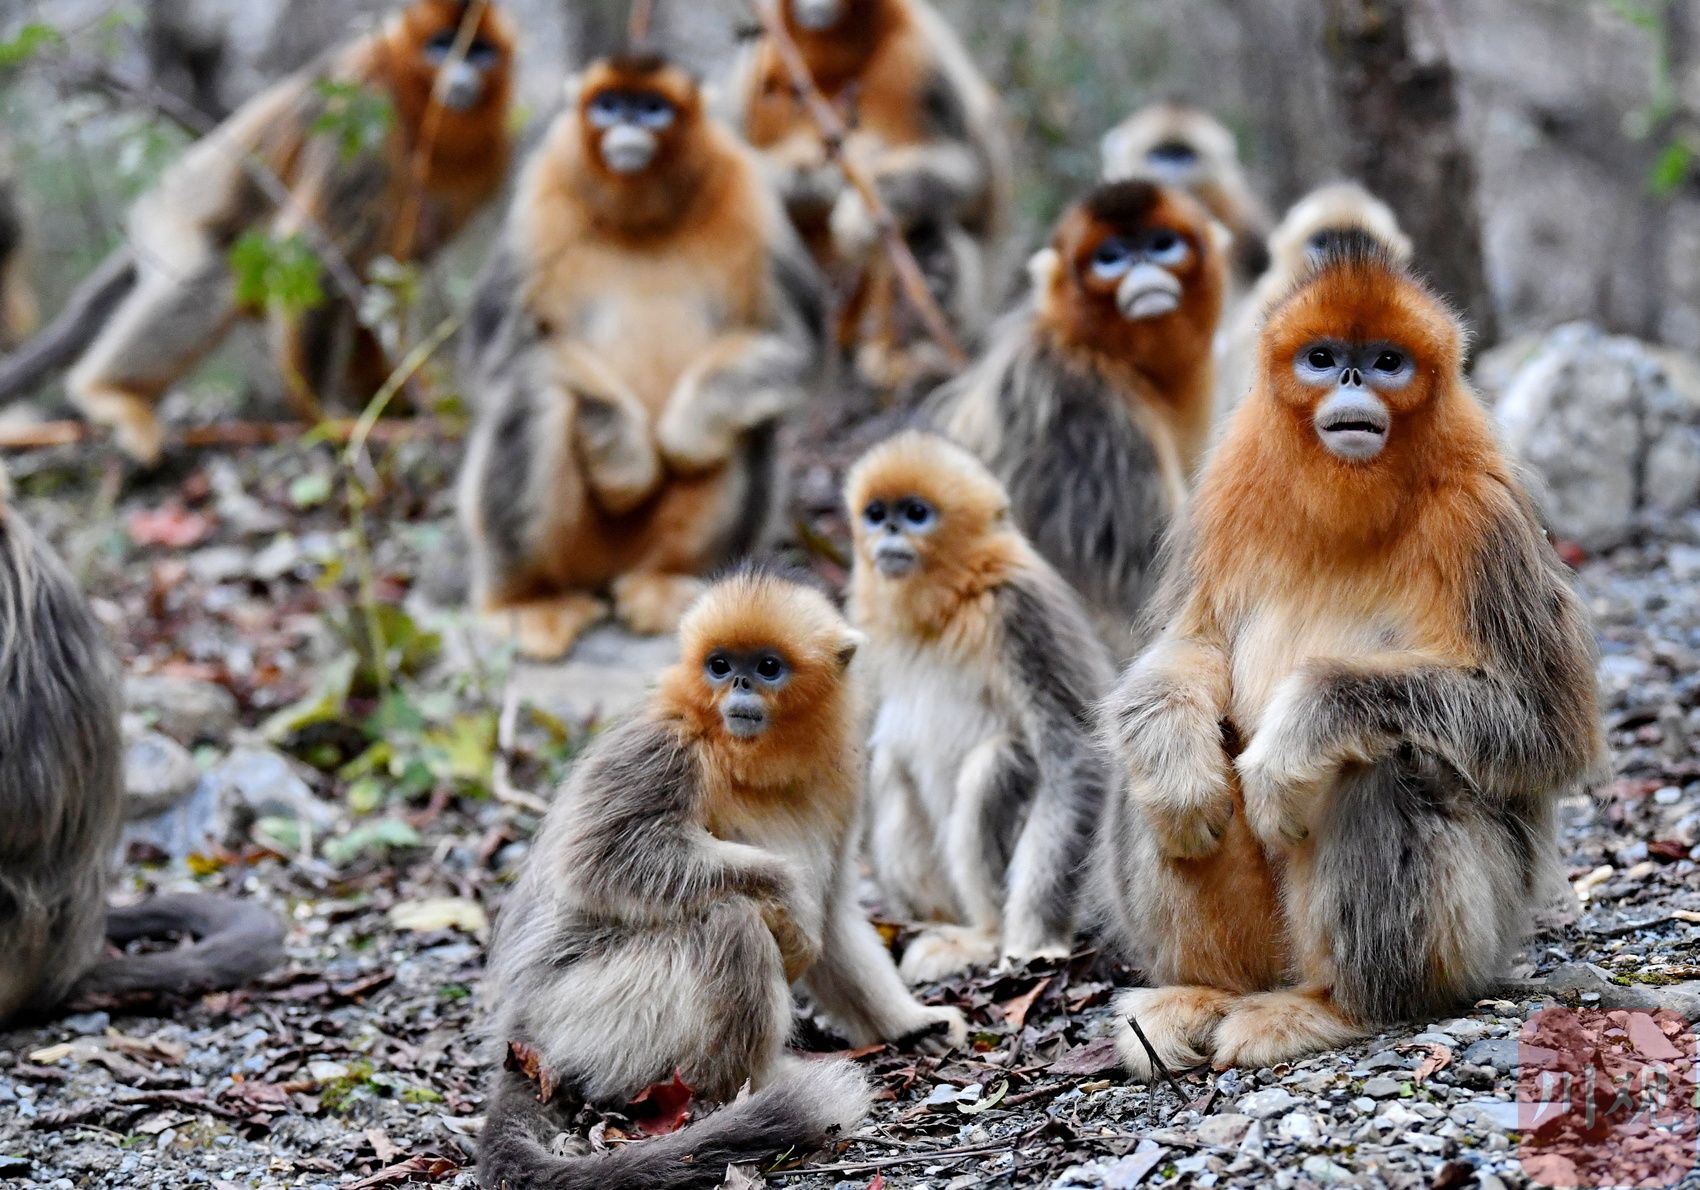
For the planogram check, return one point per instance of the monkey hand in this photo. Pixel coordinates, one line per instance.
(1184, 793)
(796, 947)
(941, 1030)
(854, 231)
(1284, 771)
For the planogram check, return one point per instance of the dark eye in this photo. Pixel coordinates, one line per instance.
(770, 668)
(442, 42)
(1165, 247)
(1319, 358)
(719, 667)
(1111, 257)
(605, 110)
(874, 513)
(917, 512)
(1389, 361)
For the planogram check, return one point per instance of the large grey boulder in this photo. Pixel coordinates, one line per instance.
(1610, 426)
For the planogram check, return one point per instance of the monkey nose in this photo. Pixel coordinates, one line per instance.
(627, 149)
(817, 16)
(894, 557)
(460, 87)
(1148, 292)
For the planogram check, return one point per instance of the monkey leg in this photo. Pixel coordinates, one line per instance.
(941, 951)
(547, 629)
(740, 382)
(611, 430)
(1274, 1027)
(652, 604)
(162, 329)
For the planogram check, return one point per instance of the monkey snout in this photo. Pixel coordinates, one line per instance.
(817, 16)
(1353, 424)
(627, 149)
(460, 87)
(744, 714)
(1148, 292)
(894, 557)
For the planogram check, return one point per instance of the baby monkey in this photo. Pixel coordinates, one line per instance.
(699, 862)
(986, 780)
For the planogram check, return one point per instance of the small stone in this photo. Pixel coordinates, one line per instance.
(1670, 795)
(1381, 1087)
(1425, 1143)
(1266, 1104)
(87, 1024)
(1465, 1029)
(1436, 1037)
(1324, 1170)
(189, 711)
(158, 774)
(1398, 1115)
(253, 783)
(1298, 1127)
(1387, 1060)
(1496, 1114)
(1225, 1131)
(1502, 1053)
(1364, 1103)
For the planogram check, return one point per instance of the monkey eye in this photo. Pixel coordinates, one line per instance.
(438, 47)
(918, 513)
(874, 513)
(605, 110)
(719, 667)
(1111, 258)
(651, 111)
(1164, 247)
(770, 668)
(1172, 152)
(1389, 361)
(1320, 358)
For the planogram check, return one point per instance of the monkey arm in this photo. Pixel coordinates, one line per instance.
(1060, 670)
(741, 382)
(942, 181)
(1164, 723)
(610, 430)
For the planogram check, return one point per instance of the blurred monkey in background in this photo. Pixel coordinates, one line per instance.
(928, 130)
(17, 298)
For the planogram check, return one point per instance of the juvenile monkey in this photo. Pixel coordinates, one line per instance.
(1092, 404)
(1175, 144)
(1341, 754)
(1306, 232)
(61, 795)
(699, 862)
(927, 128)
(446, 82)
(986, 781)
(645, 324)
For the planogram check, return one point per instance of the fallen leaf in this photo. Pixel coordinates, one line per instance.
(382, 1146)
(1015, 1011)
(526, 1060)
(878, 1183)
(169, 525)
(440, 913)
(1439, 1057)
(668, 1106)
(433, 1169)
(985, 1102)
(1097, 1057)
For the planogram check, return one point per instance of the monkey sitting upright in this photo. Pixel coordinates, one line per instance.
(701, 859)
(442, 155)
(1092, 404)
(1175, 144)
(61, 795)
(927, 129)
(1305, 233)
(645, 324)
(1366, 603)
(986, 781)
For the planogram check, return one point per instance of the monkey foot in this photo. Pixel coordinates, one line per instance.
(1274, 1027)
(546, 631)
(1179, 1022)
(652, 604)
(944, 950)
(134, 426)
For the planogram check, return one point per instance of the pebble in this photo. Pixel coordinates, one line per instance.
(1226, 1130)
(253, 783)
(1465, 1029)
(1324, 1170)
(1499, 1052)
(1266, 1104)
(189, 711)
(158, 773)
(1382, 1087)
(1387, 1060)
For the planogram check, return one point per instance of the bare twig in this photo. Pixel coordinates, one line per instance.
(639, 22)
(408, 225)
(235, 433)
(835, 134)
(1156, 1062)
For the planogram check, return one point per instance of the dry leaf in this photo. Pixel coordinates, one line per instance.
(440, 913)
(526, 1060)
(1439, 1057)
(1015, 1011)
(1097, 1057)
(432, 1169)
(667, 1106)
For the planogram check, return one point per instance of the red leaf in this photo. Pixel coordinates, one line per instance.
(1571, 554)
(526, 1060)
(432, 1169)
(878, 1183)
(668, 1106)
(1015, 1011)
(169, 525)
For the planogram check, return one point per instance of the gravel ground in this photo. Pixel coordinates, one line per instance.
(358, 1064)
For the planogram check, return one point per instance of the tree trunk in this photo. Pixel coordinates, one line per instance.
(1398, 97)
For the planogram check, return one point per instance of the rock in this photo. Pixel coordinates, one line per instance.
(1324, 1170)
(1611, 426)
(253, 783)
(1266, 1104)
(1491, 1114)
(158, 774)
(1465, 1029)
(1298, 1127)
(609, 671)
(1382, 1087)
(1498, 1052)
(187, 710)
(1387, 1060)
(1224, 1131)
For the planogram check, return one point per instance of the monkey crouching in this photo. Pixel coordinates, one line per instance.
(648, 320)
(986, 781)
(61, 796)
(700, 860)
(1341, 755)
(1092, 403)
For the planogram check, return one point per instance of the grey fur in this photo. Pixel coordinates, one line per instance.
(61, 793)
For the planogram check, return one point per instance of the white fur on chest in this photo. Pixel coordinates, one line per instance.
(932, 713)
(1276, 639)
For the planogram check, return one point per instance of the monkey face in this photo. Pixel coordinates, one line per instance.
(634, 112)
(745, 682)
(1140, 272)
(1131, 252)
(1355, 382)
(463, 64)
(629, 126)
(894, 530)
(818, 16)
(461, 82)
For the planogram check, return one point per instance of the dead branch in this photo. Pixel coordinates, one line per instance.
(432, 124)
(835, 134)
(638, 23)
(239, 433)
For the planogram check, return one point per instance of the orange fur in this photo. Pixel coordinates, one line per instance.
(975, 548)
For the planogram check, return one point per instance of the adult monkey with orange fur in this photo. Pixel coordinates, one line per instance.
(1176, 144)
(62, 794)
(929, 132)
(1365, 599)
(648, 319)
(1327, 215)
(447, 79)
(1092, 403)
(700, 862)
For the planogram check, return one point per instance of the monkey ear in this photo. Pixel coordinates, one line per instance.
(1042, 266)
(847, 646)
(1221, 239)
(571, 90)
(1110, 151)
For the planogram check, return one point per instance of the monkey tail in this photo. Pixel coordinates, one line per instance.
(803, 1106)
(52, 348)
(234, 941)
